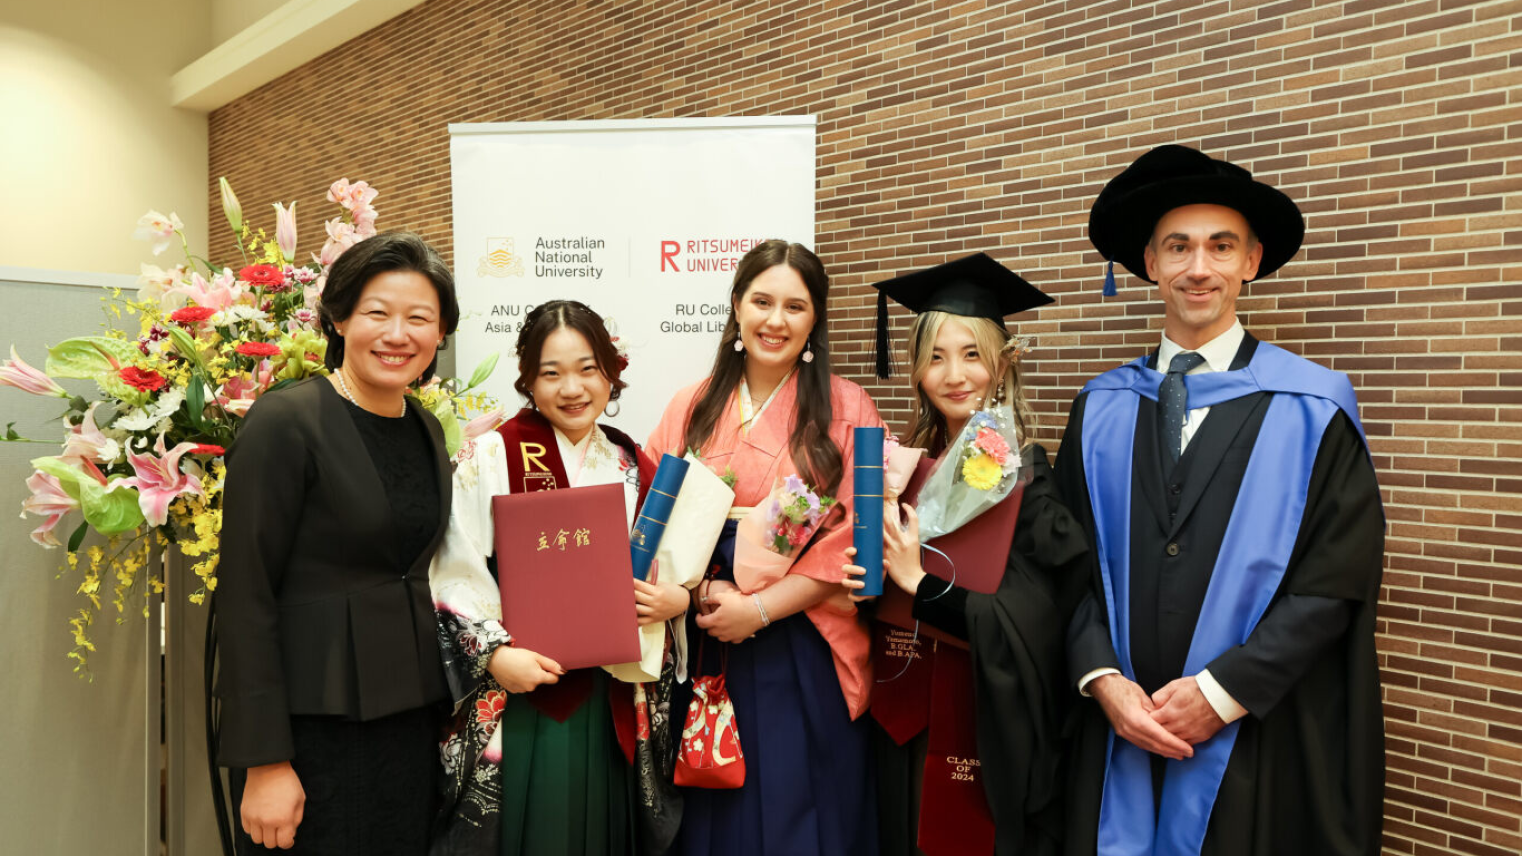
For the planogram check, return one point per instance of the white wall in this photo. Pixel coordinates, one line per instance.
(89, 142)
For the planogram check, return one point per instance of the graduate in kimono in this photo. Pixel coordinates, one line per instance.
(532, 762)
(1227, 640)
(1001, 699)
(796, 650)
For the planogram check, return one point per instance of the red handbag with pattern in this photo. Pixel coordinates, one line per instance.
(709, 755)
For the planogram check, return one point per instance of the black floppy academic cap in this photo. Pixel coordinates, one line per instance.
(974, 287)
(1169, 177)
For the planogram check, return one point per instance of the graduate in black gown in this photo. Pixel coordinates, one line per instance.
(1011, 666)
(1227, 641)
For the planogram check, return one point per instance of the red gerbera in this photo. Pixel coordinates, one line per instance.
(146, 380)
(208, 449)
(257, 349)
(261, 275)
(191, 314)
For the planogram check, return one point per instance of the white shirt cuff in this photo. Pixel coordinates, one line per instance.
(1225, 706)
(1083, 682)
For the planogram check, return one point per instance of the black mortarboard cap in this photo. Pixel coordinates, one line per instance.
(975, 287)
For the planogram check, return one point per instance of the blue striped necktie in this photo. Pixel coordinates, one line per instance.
(1174, 398)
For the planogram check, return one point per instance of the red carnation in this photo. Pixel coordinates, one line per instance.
(262, 275)
(191, 314)
(207, 449)
(257, 349)
(146, 380)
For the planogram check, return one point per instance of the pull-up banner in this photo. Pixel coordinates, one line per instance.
(642, 220)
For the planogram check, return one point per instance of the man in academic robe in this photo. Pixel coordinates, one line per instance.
(1226, 647)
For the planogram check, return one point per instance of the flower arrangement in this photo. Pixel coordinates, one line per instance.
(143, 460)
(793, 514)
(986, 455)
(769, 538)
(981, 467)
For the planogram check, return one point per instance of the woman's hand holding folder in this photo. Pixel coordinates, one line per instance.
(520, 670)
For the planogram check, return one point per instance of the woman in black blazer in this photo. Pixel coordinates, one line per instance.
(337, 495)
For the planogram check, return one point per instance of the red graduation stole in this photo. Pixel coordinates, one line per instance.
(936, 690)
(534, 464)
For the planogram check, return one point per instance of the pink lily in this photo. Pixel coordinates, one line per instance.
(15, 372)
(239, 393)
(48, 500)
(158, 480)
(340, 237)
(285, 230)
(484, 423)
(86, 442)
(219, 294)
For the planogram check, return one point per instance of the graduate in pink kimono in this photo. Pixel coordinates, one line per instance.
(793, 648)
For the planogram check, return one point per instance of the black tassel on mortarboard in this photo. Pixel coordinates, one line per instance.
(884, 354)
(1110, 279)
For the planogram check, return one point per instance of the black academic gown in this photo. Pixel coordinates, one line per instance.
(1306, 774)
(1016, 638)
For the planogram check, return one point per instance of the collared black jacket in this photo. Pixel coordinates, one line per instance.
(317, 610)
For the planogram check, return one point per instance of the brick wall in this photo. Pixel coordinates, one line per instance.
(947, 128)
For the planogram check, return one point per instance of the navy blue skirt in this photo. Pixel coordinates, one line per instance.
(808, 767)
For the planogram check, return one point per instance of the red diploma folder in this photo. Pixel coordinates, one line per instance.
(564, 572)
(980, 550)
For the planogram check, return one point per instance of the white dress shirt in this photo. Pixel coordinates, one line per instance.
(1218, 354)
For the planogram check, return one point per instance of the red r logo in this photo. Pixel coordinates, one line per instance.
(669, 249)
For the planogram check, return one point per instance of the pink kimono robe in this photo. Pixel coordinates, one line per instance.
(758, 460)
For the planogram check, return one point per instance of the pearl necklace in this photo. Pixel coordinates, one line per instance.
(344, 388)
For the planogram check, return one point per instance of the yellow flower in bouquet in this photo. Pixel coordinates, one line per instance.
(982, 472)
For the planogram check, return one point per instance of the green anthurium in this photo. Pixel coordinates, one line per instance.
(108, 511)
(89, 357)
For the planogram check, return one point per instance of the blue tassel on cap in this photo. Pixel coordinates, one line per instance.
(1110, 279)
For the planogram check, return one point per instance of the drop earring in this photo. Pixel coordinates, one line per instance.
(808, 352)
(739, 345)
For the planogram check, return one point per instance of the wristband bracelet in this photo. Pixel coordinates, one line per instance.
(761, 608)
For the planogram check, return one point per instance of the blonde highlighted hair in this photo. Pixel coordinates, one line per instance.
(999, 353)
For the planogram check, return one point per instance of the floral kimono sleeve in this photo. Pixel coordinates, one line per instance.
(465, 596)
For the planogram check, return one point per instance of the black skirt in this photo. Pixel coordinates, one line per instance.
(370, 786)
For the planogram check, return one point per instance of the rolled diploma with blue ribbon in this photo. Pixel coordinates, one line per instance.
(867, 485)
(651, 523)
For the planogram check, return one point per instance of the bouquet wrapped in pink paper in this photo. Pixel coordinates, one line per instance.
(899, 463)
(775, 532)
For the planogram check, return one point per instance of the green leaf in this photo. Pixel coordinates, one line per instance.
(89, 357)
(10, 432)
(78, 537)
(483, 371)
(195, 401)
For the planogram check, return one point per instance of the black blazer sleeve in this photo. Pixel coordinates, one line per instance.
(267, 474)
